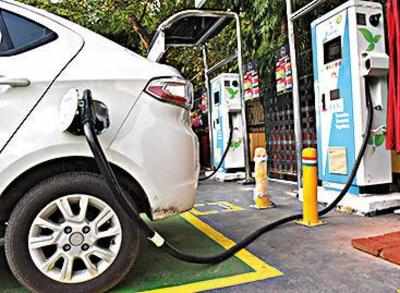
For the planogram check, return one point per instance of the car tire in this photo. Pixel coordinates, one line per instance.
(25, 230)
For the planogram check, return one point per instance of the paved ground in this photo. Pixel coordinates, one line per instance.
(312, 260)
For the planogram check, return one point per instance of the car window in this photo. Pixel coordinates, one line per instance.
(21, 34)
(2, 43)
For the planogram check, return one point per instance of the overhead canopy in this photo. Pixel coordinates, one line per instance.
(188, 28)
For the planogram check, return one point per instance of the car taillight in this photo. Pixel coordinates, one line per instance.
(175, 91)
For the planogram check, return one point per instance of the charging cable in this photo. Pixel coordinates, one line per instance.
(88, 121)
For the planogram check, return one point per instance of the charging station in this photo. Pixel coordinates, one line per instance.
(350, 62)
(226, 110)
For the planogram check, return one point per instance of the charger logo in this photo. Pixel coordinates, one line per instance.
(370, 38)
(232, 92)
(236, 144)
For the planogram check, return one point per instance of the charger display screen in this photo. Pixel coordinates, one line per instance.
(333, 50)
(335, 95)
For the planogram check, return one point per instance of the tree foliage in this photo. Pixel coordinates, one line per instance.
(132, 22)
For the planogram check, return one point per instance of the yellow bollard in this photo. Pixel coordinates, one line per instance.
(310, 189)
(261, 197)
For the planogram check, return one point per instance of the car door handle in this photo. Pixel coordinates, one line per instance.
(14, 82)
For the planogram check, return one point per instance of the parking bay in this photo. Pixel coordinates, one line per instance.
(156, 271)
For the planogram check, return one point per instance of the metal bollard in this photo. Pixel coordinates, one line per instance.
(310, 189)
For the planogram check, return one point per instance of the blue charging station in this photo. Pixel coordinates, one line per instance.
(349, 58)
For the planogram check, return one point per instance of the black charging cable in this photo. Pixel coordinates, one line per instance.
(228, 146)
(88, 121)
(129, 207)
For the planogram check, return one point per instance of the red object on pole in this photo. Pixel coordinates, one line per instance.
(393, 115)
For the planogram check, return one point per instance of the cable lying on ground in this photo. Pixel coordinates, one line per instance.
(129, 207)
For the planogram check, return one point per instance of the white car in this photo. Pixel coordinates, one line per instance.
(64, 232)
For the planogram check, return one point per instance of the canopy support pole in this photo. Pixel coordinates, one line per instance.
(249, 179)
(292, 16)
(209, 102)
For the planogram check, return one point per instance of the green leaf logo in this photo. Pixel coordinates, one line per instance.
(371, 47)
(377, 140)
(370, 38)
(236, 144)
(377, 38)
(232, 92)
(371, 140)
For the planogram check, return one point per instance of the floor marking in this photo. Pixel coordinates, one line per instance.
(225, 205)
(261, 269)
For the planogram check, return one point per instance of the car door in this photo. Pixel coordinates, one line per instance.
(34, 50)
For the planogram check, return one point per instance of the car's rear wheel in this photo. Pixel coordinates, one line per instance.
(68, 234)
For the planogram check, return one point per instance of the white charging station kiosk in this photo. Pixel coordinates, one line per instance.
(349, 55)
(225, 98)
(196, 28)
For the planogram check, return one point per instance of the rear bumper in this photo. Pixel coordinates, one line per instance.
(157, 146)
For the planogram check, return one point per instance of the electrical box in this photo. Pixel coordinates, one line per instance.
(225, 97)
(349, 59)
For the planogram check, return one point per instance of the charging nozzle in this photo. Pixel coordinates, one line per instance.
(375, 68)
(230, 115)
(375, 64)
(76, 109)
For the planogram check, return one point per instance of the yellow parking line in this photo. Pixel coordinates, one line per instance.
(229, 206)
(262, 270)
